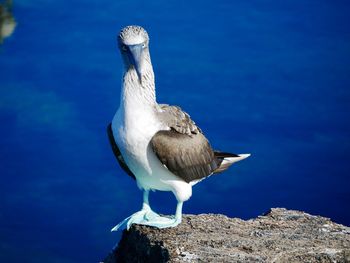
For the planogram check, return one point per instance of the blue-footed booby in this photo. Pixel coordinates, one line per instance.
(157, 144)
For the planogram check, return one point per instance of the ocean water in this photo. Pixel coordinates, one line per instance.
(270, 78)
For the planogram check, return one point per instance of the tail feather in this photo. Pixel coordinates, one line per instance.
(227, 159)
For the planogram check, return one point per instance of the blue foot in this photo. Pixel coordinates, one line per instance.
(148, 218)
(141, 217)
(163, 222)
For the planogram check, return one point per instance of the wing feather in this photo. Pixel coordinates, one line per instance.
(117, 152)
(177, 119)
(183, 149)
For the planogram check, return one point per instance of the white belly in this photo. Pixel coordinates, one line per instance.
(133, 140)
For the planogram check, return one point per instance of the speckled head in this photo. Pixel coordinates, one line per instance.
(133, 35)
(133, 44)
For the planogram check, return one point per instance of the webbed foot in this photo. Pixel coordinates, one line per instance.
(141, 217)
(163, 222)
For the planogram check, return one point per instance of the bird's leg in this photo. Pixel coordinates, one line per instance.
(149, 214)
(178, 213)
(145, 204)
(141, 217)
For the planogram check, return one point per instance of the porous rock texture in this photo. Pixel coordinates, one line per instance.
(278, 236)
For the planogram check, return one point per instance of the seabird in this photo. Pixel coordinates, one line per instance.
(157, 144)
(7, 21)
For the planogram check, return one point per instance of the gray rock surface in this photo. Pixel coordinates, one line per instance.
(278, 236)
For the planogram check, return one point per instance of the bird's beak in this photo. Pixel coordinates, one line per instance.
(135, 56)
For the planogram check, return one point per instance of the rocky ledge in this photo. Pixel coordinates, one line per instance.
(278, 236)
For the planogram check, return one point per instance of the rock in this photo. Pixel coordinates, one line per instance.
(278, 236)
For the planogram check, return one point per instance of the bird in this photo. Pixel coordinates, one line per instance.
(158, 145)
(7, 20)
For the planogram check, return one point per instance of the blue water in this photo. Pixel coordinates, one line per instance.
(271, 78)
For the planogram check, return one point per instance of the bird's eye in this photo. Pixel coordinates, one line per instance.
(124, 48)
(143, 45)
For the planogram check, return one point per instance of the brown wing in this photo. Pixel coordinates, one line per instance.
(183, 149)
(117, 152)
(189, 157)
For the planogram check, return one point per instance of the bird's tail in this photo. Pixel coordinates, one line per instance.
(227, 159)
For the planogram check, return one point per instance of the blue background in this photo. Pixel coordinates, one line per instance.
(270, 78)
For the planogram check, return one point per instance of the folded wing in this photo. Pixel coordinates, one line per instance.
(184, 150)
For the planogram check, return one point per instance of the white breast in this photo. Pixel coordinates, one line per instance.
(133, 130)
(133, 134)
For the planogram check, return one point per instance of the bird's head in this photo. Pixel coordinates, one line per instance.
(133, 45)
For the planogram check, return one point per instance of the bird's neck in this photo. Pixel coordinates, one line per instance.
(138, 95)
